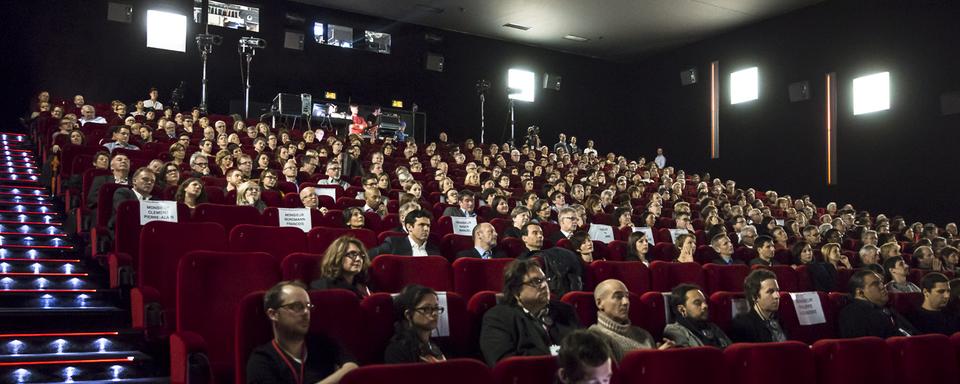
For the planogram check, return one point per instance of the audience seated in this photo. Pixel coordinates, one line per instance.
(897, 273)
(823, 275)
(760, 323)
(465, 200)
(484, 243)
(519, 216)
(119, 173)
(724, 247)
(932, 316)
(765, 250)
(417, 243)
(527, 322)
(191, 193)
(584, 358)
(569, 221)
(613, 321)
(248, 193)
(418, 311)
(344, 266)
(637, 248)
(867, 314)
(285, 358)
(691, 327)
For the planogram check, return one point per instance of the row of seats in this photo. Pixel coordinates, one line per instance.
(227, 320)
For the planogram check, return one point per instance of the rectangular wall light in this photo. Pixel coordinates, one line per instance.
(715, 110)
(744, 85)
(166, 30)
(871, 93)
(523, 84)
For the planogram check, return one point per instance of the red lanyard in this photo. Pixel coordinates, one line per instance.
(283, 355)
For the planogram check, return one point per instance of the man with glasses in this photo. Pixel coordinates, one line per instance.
(142, 186)
(466, 204)
(526, 322)
(199, 164)
(333, 175)
(569, 221)
(121, 139)
(245, 165)
(296, 355)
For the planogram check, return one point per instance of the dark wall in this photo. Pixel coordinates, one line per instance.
(73, 48)
(898, 161)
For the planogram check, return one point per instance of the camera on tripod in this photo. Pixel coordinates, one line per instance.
(253, 42)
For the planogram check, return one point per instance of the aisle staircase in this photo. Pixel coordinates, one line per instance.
(57, 322)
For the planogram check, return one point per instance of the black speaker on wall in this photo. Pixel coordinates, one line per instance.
(799, 91)
(688, 76)
(434, 62)
(551, 81)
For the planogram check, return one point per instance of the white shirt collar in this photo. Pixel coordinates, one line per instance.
(418, 250)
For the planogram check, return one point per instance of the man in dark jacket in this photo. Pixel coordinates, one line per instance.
(417, 243)
(760, 324)
(867, 314)
(484, 243)
(527, 322)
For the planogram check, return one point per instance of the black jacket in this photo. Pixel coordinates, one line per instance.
(472, 252)
(400, 245)
(862, 318)
(934, 321)
(823, 276)
(508, 330)
(512, 232)
(750, 328)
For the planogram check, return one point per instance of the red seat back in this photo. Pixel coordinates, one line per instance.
(471, 275)
(807, 333)
(209, 293)
(656, 313)
(127, 226)
(228, 216)
(923, 359)
(380, 316)
(725, 277)
(319, 238)
(721, 308)
(788, 362)
(525, 369)
(301, 266)
(390, 273)
(787, 277)
(633, 274)
(859, 360)
(277, 241)
(666, 275)
(461, 371)
(673, 366)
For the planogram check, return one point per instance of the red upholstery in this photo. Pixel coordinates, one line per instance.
(904, 303)
(228, 216)
(390, 273)
(786, 277)
(301, 266)
(271, 216)
(584, 305)
(162, 245)
(673, 366)
(666, 275)
(471, 275)
(923, 359)
(461, 371)
(526, 370)
(663, 252)
(512, 246)
(319, 238)
(127, 226)
(725, 277)
(277, 241)
(807, 333)
(633, 274)
(252, 329)
(208, 295)
(380, 316)
(655, 314)
(451, 243)
(617, 250)
(477, 306)
(721, 308)
(705, 254)
(860, 360)
(788, 362)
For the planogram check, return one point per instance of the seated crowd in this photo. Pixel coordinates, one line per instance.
(551, 199)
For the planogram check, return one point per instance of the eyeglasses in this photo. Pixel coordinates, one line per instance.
(427, 311)
(353, 255)
(203, 164)
(537, 282)
(297, 307)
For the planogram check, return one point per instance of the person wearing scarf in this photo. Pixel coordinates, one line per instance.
(613, 322)
(691, 328)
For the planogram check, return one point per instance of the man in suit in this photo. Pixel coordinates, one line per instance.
(466, 201)
(532, 236)
(143, 180)
(484, 243)
(402, 212)
(417, 224)
(569, 221)
(724, 247)
(120, 169)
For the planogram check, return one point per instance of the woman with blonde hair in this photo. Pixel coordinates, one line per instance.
(248, 193)
(344, 266)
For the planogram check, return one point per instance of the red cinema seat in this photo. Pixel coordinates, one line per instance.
(745, 254)
(277, 241)
(501, 225)
(460, 371)
(477, 306)
(584, 305)
(617, 250)
(705, 255)
(162, 245)
(228, 216)
(253, 327)
(786, 277)
(722, 308)
(673, 366)
(904, 303)
(923, 359)
(512, 246)
(788, 362)
(126, 238)
(451, 244)
(663, 252)
(526, 370)
(301, 266)
(955, 342)
(859, 360)
(633, 274)
(662, 235)
(271, 217)
(808, 333)
(725, 277)
(319, 238)
(656, 313)
(665, 275)
(390, 273)
(472, 275)
(208, 295)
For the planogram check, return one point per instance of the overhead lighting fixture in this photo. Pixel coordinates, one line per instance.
(516, 26)
(576, 38)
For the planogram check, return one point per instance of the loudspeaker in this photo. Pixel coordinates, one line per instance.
(688, 76)
(306, 104)
(799, 91)
(293, 40)
(551, 81)
(434, 62)
(120, 12)
(289, 104)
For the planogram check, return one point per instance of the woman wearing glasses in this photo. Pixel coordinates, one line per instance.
(418, 311)
(345, 267)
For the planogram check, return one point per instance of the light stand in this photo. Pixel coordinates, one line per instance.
(413, 122)
(205, 43)
(482, 87)
(510, 93)
(247, 48)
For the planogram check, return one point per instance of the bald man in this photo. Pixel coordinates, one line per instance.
(484, 243)
(613, 321)
(309, 199)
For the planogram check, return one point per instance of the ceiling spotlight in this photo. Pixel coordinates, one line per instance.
(576, 38)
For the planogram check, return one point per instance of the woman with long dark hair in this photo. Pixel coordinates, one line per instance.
(418, 312)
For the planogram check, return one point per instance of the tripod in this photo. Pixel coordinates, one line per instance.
(247, 53)
(205, 43)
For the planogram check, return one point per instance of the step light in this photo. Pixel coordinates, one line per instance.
(58, 345)
(115, 371)
(14, 347)
(102, 344)
(68, 373)
(21, 375)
